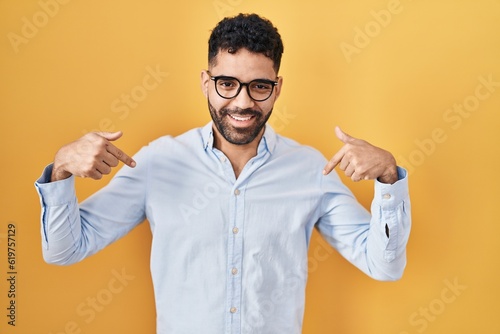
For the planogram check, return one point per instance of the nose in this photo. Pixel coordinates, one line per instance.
(243, 100)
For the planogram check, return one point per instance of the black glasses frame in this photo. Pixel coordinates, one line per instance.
(241, 84)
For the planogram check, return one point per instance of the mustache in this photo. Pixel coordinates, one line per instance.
(240, 112)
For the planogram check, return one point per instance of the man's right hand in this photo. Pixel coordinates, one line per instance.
(92, 156)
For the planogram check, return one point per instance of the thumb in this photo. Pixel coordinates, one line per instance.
(344, 137)
(111, 136)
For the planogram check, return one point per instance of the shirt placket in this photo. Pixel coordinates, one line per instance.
(234, 247)
(235, 237)
(234, 259)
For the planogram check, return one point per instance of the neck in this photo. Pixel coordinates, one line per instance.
(238, 155)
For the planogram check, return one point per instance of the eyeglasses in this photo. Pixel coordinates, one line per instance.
(228, 87)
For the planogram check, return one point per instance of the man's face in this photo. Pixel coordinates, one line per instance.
(240, 120)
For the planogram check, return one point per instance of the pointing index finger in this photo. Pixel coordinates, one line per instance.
(334, 161)
(120, 155)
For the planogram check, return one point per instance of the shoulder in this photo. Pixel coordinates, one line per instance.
(168, 148)
(191, 137)
(286, 146)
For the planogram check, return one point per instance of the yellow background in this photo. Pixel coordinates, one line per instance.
(394, 88)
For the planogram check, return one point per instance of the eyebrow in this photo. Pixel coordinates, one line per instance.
(230, 76)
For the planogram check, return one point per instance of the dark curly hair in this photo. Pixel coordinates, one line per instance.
(248, 31)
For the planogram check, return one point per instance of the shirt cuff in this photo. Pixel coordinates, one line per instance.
(389, 196)
(57, 192)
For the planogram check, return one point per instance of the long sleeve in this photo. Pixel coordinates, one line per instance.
(72, 231)
(240, 243)
(375, 243)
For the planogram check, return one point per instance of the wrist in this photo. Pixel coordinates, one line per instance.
(58, 174)
(390, 176)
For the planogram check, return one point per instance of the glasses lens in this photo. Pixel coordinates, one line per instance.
(260, 90)
(227, 87)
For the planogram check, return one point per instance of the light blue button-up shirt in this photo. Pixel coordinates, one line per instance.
(229, 255)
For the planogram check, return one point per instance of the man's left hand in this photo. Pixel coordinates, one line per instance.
(361, 160)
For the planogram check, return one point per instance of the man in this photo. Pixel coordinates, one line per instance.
(234, 260)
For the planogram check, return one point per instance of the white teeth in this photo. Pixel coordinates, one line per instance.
(241, 119)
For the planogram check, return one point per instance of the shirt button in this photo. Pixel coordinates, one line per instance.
(234, 271)
(386, 196)
(233, 309)
(235, 230)
(237, 192)
(223, 159)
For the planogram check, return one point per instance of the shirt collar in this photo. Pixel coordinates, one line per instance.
(207, 136)
(268, 141)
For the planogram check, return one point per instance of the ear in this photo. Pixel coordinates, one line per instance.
(278, 87)
(204, 81)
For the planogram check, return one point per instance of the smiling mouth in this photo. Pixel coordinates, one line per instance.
(241, 118)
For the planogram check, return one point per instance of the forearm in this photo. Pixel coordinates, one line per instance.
(60, 220)
(376, 243)
(389, 229)
(73, 231)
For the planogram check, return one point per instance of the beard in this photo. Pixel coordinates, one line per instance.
(235, 135)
